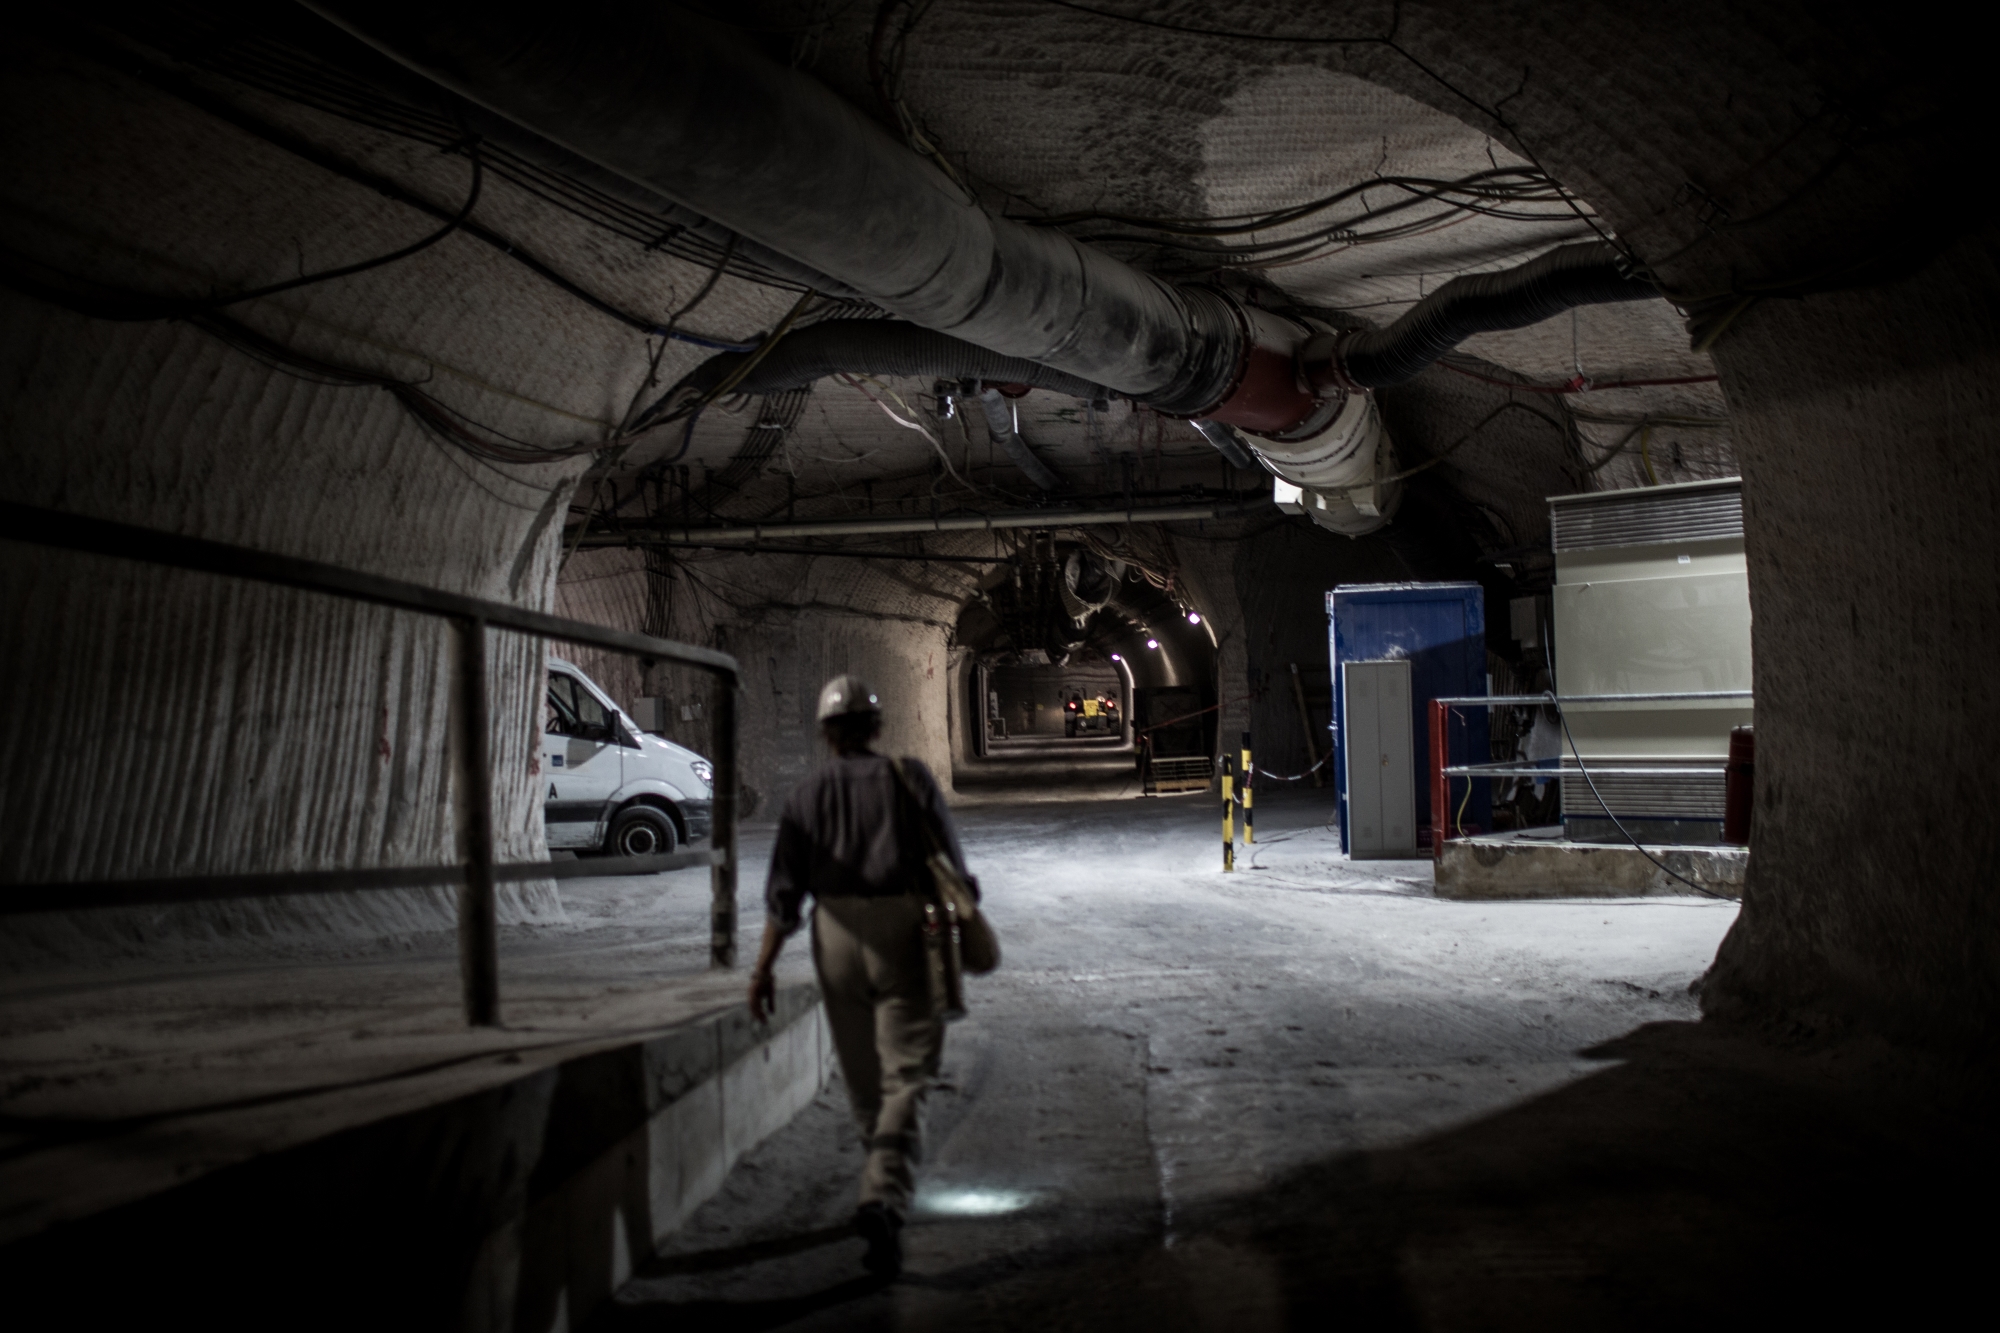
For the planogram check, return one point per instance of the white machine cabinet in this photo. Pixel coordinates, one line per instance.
(1652, 597)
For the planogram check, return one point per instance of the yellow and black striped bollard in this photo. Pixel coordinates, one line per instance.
(1249, 829)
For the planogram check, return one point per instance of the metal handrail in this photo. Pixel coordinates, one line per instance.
(64, 895)
(477, 877)
(1506, 770)
(1442, 770)
(1466, 701)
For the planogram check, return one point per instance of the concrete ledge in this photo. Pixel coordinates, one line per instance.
(1506, 866)
(521, 1206)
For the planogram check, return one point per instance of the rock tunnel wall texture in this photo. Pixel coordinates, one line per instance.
(167, 723)
(1752, 151)
(793, 624)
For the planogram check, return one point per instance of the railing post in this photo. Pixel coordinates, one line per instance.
(722, 835)
(1440, 785)
(478, 921)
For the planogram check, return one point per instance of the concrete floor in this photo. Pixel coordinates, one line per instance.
(1307, 1090)
(1167, 1054)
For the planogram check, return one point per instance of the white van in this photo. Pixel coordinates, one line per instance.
(612, 788)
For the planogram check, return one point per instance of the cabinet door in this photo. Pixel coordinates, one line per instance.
(581, 762)
(1381, 765)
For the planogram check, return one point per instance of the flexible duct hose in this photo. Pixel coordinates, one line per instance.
(1562, 279)
(1000, 421)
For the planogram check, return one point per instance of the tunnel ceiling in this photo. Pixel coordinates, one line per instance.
(1045, 111)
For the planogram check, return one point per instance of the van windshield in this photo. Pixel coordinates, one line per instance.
(572, 710)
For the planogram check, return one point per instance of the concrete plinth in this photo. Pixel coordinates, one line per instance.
(518, 1196)
(1508, 865)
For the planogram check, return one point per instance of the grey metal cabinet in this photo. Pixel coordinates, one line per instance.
(1381, 763)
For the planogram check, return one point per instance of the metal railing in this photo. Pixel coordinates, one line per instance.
(1443, 770)
(478, 875)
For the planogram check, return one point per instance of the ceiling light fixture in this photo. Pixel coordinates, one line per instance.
(1194, 617)
(1152, 643)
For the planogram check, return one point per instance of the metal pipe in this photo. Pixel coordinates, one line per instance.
(77, 895)
(478, 915)
(1504, 770)
(1052, 517)
(1440, 748)
(913, 557)
(74, 532)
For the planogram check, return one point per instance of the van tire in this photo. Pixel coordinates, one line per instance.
(641, 830)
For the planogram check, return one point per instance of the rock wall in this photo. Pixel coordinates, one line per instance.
(792, 623)
(1789, 172)
(1871, 486)
(176, 724)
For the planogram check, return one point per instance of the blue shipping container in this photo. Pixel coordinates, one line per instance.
(1441, 629)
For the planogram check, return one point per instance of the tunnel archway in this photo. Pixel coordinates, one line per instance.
(1080, 663)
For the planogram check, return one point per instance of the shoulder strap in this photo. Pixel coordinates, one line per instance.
(924, 814)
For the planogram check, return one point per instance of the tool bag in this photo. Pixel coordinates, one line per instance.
(958, 938)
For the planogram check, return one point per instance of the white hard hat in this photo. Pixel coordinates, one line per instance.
(847, 694)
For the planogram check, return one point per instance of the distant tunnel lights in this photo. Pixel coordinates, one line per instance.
(1116, 658)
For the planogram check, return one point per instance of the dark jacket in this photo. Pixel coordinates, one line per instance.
(840, 835)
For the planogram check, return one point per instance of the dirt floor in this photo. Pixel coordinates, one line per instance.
(1311, 1092)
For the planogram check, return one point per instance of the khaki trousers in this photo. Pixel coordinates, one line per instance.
(873, 974)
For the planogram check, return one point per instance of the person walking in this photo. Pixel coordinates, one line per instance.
(852, 837)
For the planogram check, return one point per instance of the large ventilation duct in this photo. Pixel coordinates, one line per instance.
(1333, 477)
(687, 108)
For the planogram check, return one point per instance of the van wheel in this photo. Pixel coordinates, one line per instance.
(641, 830)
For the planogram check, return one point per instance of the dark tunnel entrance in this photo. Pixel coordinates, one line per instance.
(1087, 666)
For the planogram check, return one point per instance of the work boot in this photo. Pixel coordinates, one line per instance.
(882, 1229)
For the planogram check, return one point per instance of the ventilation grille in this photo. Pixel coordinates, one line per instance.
(1647, 518)
(1693, 797)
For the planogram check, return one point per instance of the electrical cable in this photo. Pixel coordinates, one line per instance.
(1470, 196)
(464, 432)
(1578, 385)
(223, 46)
(1295, 777)
(1388, 42)
(1604, 805)
(186, 90)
